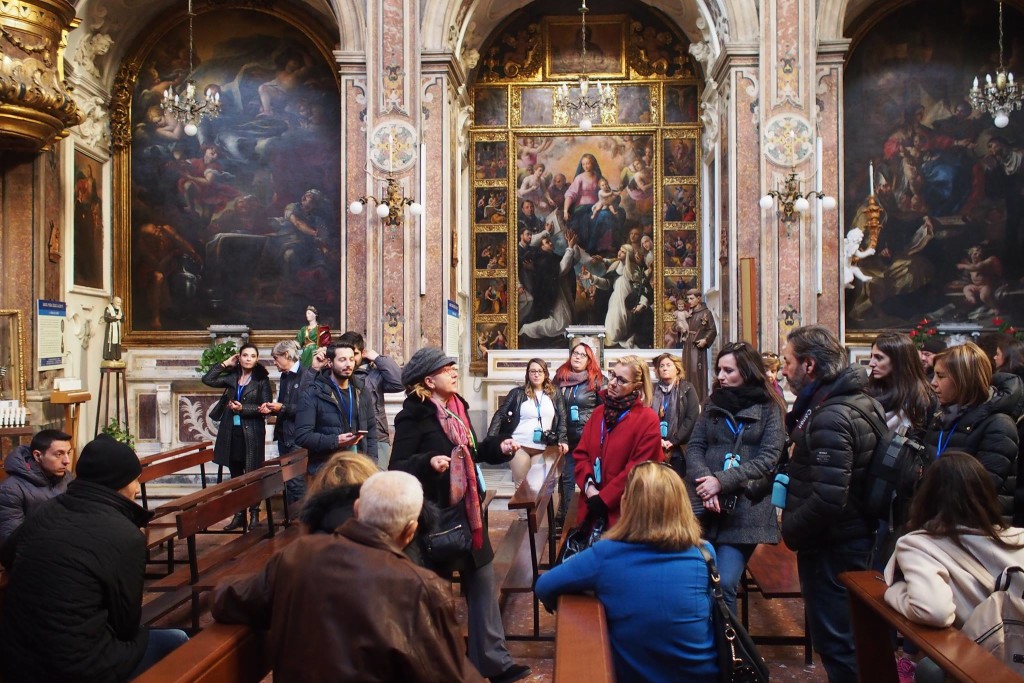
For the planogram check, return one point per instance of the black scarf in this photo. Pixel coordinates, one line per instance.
(801, 405)
(615, 407)
(734, 399)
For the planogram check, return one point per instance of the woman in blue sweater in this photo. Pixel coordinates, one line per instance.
(649, 574)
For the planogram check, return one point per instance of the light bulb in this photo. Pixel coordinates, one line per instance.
(766, 201)
(1001, 119)
(416, 209)
(586, 124)
(356, 207)
(191, 129)
(828, 203)
(383, 210)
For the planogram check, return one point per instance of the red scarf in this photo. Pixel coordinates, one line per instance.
(462, 471)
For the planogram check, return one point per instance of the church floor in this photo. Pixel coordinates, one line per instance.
(779, 616)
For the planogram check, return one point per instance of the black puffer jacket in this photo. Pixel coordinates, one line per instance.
(325, 511)
(419, 437)
(827, 469)
(989, 433)
(74, 601)
(26, 487)
(319, 419)
(506, 418)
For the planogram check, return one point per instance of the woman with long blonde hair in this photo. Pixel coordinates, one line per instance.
(622, 433)
(650, 576)
(332, 493)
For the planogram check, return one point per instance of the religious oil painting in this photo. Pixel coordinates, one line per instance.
(238, 223)
(681, 104)
(491, 250)
(680, 156)
(88, 222)
(491, 206)
(604, 42)
(490, 106)
(948, 245)
(585, 234)
(491, 296)
(681, 248)
(489, 337)
(634, 104)
(536, 106)
(491, 160)
(679, 203)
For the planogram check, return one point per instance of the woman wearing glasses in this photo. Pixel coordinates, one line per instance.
(649, 575)
(621, 433)
(677, 405)
(533, 416)
(434, 441)
(580, 380)
(738, 437)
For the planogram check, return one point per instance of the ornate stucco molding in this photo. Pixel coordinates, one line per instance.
(35, 105)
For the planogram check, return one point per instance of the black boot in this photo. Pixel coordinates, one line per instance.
(254, 517)
(236, 522)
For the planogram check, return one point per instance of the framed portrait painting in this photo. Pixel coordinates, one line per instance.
(605, 46)
(89, 189)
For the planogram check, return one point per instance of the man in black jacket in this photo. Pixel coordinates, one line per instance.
(823, 522)
(377, 375)
(293, 383)
(74, 599)
(335, 414)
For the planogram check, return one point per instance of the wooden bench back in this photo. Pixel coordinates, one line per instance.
(178, 462)
(163, 455)
(873, 620)
(583, 651)
(292, 464)
(537, 488)
(220, 653)
(199, 517)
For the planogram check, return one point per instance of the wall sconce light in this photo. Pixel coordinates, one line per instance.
(390, 204)
(792, 202)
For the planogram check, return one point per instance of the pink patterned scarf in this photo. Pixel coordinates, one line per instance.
(462, 471)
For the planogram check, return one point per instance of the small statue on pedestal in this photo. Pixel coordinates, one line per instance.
(701, 333)
(113, 316)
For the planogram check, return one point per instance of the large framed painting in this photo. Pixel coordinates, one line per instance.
(605, 41)
(949, 244)
(239, 223)
(87, 243)
(585, 237)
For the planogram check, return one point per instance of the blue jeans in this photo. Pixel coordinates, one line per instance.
(162, 642)
(827, 603)
(732, 561)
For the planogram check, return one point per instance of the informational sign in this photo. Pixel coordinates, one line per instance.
(451, 338)
(51, 319)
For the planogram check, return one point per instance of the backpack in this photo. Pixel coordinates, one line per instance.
(897, 464)
(997, 623)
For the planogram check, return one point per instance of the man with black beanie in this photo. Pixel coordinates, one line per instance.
(74, 597)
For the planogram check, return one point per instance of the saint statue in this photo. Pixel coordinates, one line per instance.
(701, 333)
(113, 317)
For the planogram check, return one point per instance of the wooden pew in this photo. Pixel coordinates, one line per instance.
(773, 573)
(221, 653)
(292, 465)
(534, 495)
(172, 462)
(582, 649)
(873, 620)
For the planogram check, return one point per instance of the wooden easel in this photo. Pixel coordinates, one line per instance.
(120, 397)
(72, 402)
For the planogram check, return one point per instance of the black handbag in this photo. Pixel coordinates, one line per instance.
(217, 414)
(451, 537)
(738, 658)
(582, 537)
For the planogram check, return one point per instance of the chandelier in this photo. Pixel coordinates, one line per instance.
(1001, 96)
(792, 202)
(391, 203)
(189, 110)
(585, 107)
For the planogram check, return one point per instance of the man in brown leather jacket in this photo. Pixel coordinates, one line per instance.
(351, 606)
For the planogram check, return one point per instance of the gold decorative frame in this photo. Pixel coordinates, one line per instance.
(12, 353)
(604, 29)
(121, 138)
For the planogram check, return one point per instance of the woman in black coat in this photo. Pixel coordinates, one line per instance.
(241, 436)
(975, 416)
(676, 402)
(434, 441)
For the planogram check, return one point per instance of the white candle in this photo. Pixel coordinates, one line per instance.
(24, 414)
(871, 177)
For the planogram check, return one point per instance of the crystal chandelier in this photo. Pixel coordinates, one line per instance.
(1001, 96)
(584, 106)
(189, 110)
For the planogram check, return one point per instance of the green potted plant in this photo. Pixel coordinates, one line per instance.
(216, 353)
(114, 430)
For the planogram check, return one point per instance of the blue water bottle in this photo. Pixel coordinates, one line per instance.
(779, 490)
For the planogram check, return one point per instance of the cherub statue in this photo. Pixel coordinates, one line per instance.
(851, 253)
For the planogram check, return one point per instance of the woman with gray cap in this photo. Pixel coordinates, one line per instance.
(434, 441)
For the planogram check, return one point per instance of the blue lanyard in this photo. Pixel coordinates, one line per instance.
(733, 428)
(605, 430)
(943, 444)
(537, 402)
(239, 389)
(664, 405)
(337, 390)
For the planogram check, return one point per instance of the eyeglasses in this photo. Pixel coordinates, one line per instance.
(446, 370)
(536, 372)
(579, 354)
(619, 379)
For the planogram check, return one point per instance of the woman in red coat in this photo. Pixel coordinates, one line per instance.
(622, 433)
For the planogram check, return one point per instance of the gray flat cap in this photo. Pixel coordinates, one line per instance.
(425, 362)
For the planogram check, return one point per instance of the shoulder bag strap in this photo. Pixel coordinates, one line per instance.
(713, 577)
(971, 564)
